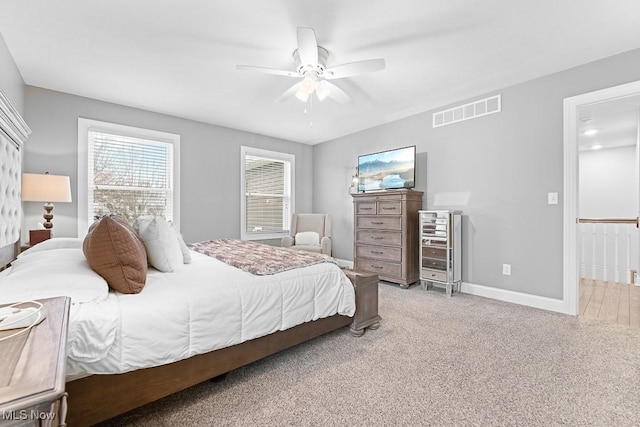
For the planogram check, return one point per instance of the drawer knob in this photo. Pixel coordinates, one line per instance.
(377, 222)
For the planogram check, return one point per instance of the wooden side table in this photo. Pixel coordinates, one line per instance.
(32, 370)
(366, 287)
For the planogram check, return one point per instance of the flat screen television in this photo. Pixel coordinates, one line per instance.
(387, 170)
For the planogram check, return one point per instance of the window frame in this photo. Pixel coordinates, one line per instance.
(86, 125)
(273, 155)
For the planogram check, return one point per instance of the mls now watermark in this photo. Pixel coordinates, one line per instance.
(26, 414)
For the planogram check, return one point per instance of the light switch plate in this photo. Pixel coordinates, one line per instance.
(552, 198)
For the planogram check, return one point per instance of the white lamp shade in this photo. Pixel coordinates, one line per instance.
(45, 188)
(322, 90)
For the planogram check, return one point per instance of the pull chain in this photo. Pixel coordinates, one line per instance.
(308, 109)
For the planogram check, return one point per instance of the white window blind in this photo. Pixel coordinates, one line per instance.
(129, 176)
(267, 194)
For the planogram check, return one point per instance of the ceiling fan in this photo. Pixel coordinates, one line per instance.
(310, 66)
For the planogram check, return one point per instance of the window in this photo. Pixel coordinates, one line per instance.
(126, 171)
(267, 187)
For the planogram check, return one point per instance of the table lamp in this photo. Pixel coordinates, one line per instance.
(46, 188)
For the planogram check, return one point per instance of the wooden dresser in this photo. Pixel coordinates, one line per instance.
(386, 235)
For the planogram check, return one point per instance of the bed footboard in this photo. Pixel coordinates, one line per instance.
(99, 397)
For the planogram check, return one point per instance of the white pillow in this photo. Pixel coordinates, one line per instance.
(307, 238)
(186, 255)
(52, 273)
(54, 243)
(163, 249)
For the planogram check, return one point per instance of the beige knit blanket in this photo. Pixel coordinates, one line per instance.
(258, 258)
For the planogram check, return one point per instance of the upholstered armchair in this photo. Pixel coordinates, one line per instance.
(309, 232)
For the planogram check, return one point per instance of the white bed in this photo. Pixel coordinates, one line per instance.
(118, 343)
(206, 305)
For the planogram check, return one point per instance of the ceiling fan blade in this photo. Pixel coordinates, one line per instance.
(289, 92)
(307, 46)
(335, 93)
(354, 68)
(268, 70)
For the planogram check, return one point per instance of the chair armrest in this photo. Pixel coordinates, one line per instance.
(325, 243)
(287, 242)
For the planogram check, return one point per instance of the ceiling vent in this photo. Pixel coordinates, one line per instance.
(468, 111)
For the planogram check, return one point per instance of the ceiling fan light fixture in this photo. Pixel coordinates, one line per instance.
(308, 84)
(322, 90)
(302, 95)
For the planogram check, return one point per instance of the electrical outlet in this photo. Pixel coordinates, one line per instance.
(506, 269)
(552, 198)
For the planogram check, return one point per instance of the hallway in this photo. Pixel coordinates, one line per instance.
(610, 301)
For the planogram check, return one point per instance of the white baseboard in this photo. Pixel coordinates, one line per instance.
(545, 303)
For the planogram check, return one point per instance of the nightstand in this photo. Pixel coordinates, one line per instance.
(32, 370)
(37, 236)
(366, 287)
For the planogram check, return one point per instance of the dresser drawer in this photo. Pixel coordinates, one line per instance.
(379, 252)
(433, 252)
(390, 208)
(366, 208)
(438, 264)
(427, 274)
(379, 222)
(388, 238)
(382, 268)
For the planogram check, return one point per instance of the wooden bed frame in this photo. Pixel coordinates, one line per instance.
(100, 397)
(97, 398)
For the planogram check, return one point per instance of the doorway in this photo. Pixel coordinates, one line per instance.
(608, 208)
(573, 107)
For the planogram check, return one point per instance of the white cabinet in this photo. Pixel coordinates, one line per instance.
(440, 249)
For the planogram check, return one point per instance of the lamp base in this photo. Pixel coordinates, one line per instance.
(48, 216)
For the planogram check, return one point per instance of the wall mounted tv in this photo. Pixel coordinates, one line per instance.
(387, 170)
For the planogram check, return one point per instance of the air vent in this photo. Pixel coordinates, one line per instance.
(468, 111)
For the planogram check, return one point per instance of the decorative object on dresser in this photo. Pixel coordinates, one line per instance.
(46, 188)
(441, 249)
(386, 229)
(37, 236)
(32, 377)
(366, 287)
(309, 232)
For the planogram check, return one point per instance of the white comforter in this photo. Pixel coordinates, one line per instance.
(205, 306)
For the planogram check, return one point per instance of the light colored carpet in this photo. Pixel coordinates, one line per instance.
(435, 360)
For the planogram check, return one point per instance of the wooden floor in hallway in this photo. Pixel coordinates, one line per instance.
(610, 301)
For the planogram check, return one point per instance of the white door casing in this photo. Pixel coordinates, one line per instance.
(571, 275)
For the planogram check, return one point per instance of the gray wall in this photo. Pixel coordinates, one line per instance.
(497, 169)
(11, 82)
(210, 161)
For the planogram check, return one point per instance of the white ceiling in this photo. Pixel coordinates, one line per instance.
(615, 123)
(179, 57)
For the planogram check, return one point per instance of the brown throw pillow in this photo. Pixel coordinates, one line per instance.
(115, 252)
